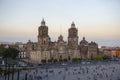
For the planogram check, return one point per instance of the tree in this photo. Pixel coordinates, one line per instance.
(75, 59)
(55, 60)
(65, 60)
(2, 50)
(60, 60)
(43, 61)
(11, 53)
(99, 57)
(79, 59)
(49, 60)
(105, 57)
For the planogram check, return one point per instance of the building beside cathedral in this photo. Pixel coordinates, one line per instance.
(45, 49)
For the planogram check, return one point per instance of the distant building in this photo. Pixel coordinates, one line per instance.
(92, 49)
(113, 52)
(118, 53)
(45, 49)
(22, 49)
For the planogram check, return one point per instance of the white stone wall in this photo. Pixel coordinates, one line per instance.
(22, 54)
(35, 56)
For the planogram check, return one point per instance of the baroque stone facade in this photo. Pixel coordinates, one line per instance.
(45, 49)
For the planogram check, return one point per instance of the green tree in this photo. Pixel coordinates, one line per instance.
(105, 57)
(79, 59)
(55, 60)
(65, 60)
(49, 60)
(60, 60)
(2, 50)
(99, 57)
(75, 59)
(11, 53)
(43, 61)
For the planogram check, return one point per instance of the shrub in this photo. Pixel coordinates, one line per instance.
(98, 58)
(43, 61)
(79, 59)
(74, 59)
(60, 60)
(49, 60)
(105, 57)
(55, 60)
(65, 60)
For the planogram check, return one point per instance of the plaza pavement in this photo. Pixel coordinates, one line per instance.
(74, 71)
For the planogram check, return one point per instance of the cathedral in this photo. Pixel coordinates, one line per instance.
(45, 49)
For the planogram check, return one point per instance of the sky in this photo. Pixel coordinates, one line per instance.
(97, 20)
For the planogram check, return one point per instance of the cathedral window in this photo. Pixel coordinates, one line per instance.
(60, 56)
(44, 42)
(61, 48)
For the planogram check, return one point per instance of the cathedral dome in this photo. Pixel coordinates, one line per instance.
(83, 42)
(60, 38)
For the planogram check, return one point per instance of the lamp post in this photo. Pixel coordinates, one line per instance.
(8, 71)
(13, 72)
(27, 61)
(47, 72)
(18, 74)
(26, 76)
(5, 69)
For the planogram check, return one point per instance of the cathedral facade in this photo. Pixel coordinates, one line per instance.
(45, 49)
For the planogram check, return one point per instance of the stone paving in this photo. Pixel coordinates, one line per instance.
(82, 72)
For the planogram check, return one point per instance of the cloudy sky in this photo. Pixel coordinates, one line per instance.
(97, 20)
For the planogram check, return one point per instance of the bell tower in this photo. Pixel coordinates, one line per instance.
(43, 37)
(73, 37)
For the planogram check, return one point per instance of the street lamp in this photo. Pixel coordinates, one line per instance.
(8, 71)
(26, 76)
(18, 73)
(5, 68)
(13, 72)
(27, 61)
